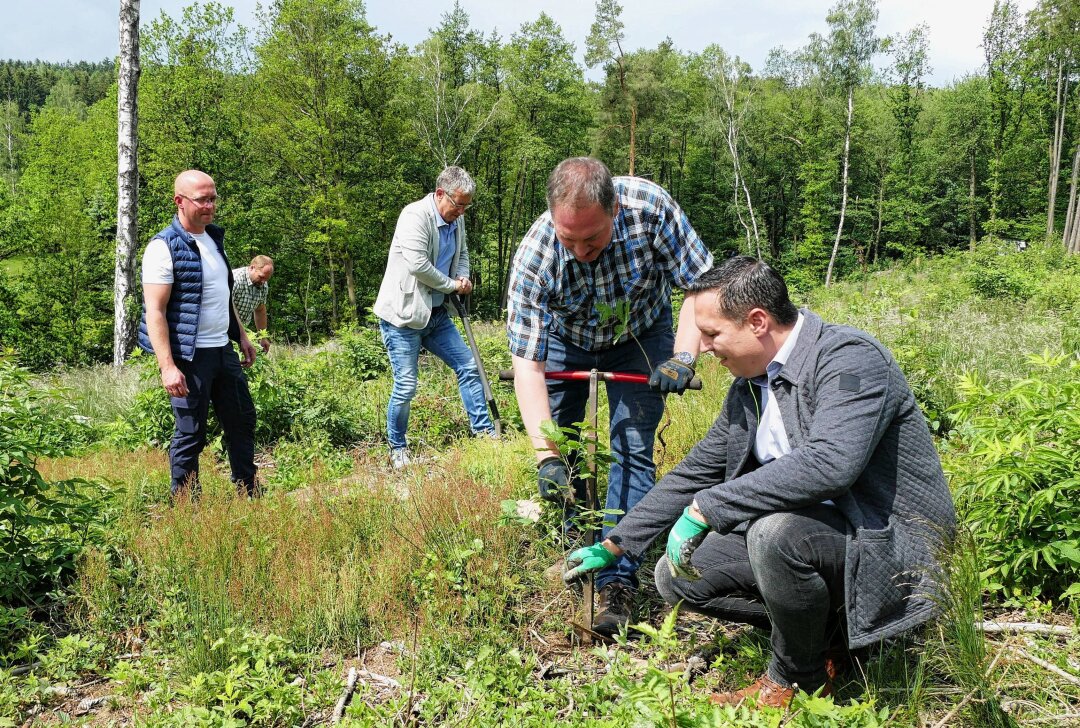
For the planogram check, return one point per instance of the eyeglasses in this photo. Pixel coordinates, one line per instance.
(203, 201)
(457, 204)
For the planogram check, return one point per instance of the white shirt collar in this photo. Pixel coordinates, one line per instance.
(778, 361)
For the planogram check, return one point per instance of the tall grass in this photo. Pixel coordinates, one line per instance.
(368, 554)
(333, 568)
(102, 393)
(960, 653)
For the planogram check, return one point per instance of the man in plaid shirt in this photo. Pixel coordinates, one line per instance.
(250, 292)
(616, 244)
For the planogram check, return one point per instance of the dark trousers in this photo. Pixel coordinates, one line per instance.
(213, 377)
(785, 573)
(634, 411)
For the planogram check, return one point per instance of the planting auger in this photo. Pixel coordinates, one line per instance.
(459, 304)
(593, 501)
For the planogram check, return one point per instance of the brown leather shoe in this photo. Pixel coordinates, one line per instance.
(837, 660)
(763, 691)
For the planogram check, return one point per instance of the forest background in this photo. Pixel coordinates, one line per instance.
(318, 130)
(941, 220)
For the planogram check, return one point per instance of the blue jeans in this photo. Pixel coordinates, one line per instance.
(785, 574)
(213, 377)
(634, 412)
(442, 339)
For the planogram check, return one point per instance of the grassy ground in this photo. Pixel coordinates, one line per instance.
(435, 586)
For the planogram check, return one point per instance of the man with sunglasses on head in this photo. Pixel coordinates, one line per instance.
(187, 323)
(428, 261)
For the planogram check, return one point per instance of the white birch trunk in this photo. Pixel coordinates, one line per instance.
(1060, 102)
(1071, 235)
(734, 119)
(843, 186)
(127, 179)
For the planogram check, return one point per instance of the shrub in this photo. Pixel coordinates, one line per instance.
(296, 398)
(999, 282)
(364, 353)
(1016, 474)
(43, 526)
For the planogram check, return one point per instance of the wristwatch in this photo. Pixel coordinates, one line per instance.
(684, 357)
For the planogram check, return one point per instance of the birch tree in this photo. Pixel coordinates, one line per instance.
(127, 179)
(846, 56)
(728, 99)
(1055, 41)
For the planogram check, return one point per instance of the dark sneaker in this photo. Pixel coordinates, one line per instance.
(615, 609)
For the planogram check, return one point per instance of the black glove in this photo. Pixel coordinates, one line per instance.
(553, 477)
(671, 376)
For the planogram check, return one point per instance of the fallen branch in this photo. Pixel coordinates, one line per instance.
(1027, 627)
(87, 705)
(1059, 719)
(380, 680)
(956, 709)
(23, 669)
(1048, 666)
(343, 701)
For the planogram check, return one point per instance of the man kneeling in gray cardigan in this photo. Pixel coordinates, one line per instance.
(815, 507)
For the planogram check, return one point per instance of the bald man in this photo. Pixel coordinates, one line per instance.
(188, 322)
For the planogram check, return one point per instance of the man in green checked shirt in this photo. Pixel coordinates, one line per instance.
(605, 242)
(250, 291)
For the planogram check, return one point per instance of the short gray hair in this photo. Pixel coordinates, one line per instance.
(455, 179)
(581, 182)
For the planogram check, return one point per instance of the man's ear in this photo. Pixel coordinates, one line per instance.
(759, 321)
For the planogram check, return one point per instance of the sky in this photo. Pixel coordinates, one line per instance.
(87, 30)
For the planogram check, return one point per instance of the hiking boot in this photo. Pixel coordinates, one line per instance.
(615, 608)
(763, 691)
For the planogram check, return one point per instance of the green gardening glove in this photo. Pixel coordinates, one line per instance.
(686, 535)
(584, 560)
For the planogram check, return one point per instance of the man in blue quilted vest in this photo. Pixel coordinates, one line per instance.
(815, 507)
(188, 322)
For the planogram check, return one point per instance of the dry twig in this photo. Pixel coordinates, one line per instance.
(343, 701)
(1027, 628)
(23, 669)
(956, 709)
(1048, 666)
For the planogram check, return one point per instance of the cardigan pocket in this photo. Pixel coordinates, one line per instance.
(881, 583)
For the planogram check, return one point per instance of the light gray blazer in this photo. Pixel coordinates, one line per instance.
(405, 294)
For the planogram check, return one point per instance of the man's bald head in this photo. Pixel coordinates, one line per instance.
(195, 195)
(188, 180)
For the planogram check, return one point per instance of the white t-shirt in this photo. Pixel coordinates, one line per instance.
(157, 267)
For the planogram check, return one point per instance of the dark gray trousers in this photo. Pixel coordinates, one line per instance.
(214, 376)
(786, 574)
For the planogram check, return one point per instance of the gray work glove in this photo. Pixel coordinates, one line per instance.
(553, 479)
(671, 376)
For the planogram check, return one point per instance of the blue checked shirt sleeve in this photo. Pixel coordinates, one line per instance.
(528, 292)
(679, 245)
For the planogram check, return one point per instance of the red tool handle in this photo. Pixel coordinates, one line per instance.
(507, 375)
